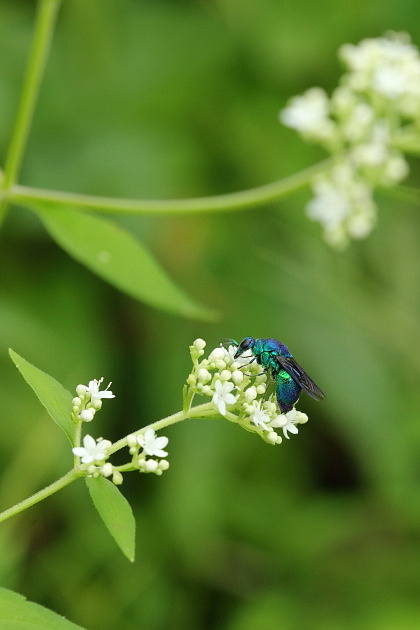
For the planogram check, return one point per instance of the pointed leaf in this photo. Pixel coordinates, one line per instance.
(116, 513)
(16, 613)
(117, 257)
(56, 399)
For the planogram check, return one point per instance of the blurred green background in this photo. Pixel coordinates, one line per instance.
(162, 99)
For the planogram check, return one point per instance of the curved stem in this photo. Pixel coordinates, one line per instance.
(231, 201)
(200, 411)
(68, 478)
(44, 26)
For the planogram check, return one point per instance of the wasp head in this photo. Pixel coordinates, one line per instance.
(246, 344)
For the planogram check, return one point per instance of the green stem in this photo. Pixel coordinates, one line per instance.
(232, 201)
(68, 478)
(44, 26)
(77, 440)
(200, 411)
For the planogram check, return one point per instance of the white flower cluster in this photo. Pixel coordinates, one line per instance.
(370, 119)
(89, 400)
(237, 387)
(94, 453)
(152, 445)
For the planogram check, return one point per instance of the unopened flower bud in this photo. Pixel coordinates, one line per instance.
(237, 377)
(199, 344)
(87, 415)
(106, 469)
(203, 375)
(225, 375)
(191, 380)
(81, 391)
(273, 437)
(117, 478)
(250, 394)
(131, 440)
(150, 465)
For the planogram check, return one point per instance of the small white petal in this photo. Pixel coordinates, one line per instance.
(222, 396)
(151, 444)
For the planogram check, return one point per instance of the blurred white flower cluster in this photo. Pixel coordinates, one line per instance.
(372, 117)
(237, 388)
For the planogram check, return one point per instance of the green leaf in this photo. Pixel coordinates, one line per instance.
(117, 257)
(56, 399)
(16, 613)
(116, 513)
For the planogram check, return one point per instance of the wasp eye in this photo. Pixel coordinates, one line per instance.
(246, 343)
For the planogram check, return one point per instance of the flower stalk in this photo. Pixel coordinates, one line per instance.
(44, 27)
(237, 389)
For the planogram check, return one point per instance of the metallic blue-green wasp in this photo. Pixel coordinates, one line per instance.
(289, 377)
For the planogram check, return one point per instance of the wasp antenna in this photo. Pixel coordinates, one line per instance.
(226, 342)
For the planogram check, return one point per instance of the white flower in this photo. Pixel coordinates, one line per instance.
(222, 396)
(371, 117)
(344, 206)
(244, 359)
(286, 422)
(217, 354)
(309, 114)
(357, 122)
(389, 67)
(95, 394)
(329, 206)
(151, 444)
(259, 416)
(92, 451)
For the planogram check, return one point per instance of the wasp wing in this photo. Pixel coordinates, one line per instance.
(299, 375)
